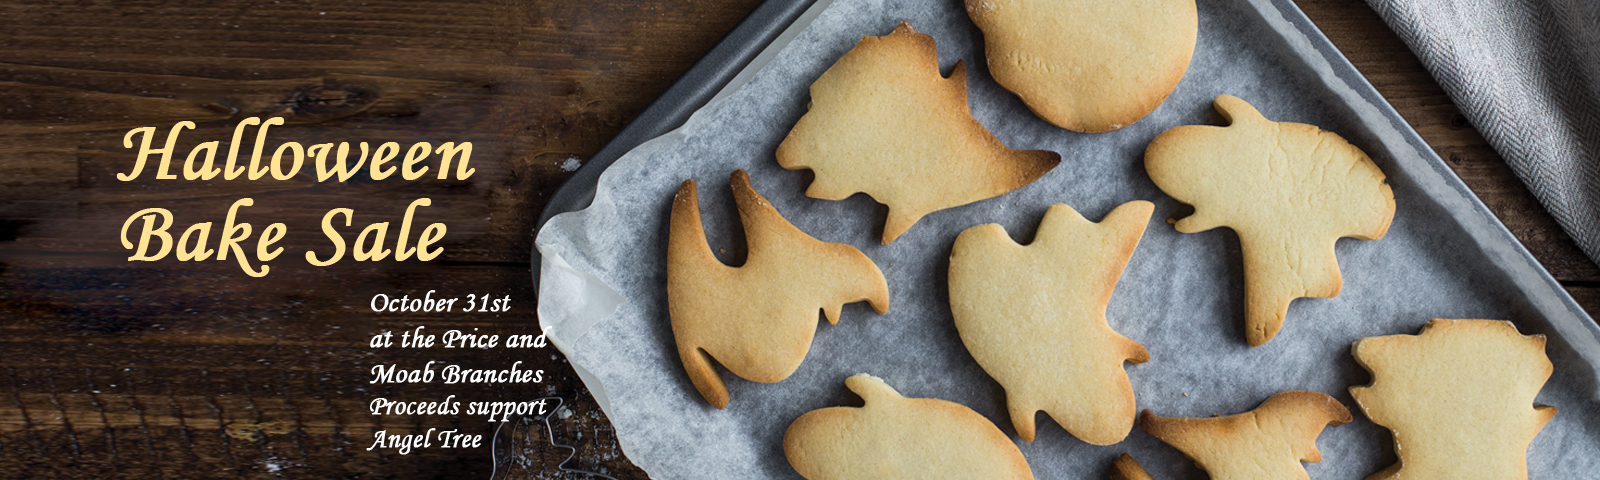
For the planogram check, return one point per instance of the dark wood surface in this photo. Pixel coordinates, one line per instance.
(193, 369)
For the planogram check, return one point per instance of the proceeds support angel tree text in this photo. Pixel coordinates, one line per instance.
(438, 372)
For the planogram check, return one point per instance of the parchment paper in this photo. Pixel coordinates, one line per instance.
(603, 296)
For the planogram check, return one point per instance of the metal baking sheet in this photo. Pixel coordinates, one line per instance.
(602, 299)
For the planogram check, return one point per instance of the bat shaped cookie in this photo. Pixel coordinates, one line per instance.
(1290, 190)
(884, 122)
(1268, 442)
(756, 319)
(1458, 397)
(1034, 317)
(894, 437)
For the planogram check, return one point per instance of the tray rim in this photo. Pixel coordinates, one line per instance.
(759, 35)
(1492, 227)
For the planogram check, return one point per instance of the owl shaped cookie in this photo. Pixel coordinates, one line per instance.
(1458, 397)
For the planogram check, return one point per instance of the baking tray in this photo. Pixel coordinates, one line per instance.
(764, 31)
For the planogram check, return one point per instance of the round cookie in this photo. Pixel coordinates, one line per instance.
(1088, 66)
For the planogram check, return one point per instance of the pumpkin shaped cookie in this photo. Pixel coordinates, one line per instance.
(894, 437)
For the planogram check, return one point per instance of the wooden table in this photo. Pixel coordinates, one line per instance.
(193, 369)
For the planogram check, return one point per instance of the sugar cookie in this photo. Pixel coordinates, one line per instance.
(1289, 190)
(1088, 65)
(756, 319)
(1268, 442)
(1458, 397)
(884, 122)
(1126, 468)
(1034, 317)
(894, 437)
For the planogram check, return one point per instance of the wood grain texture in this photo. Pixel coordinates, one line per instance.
(180, 370)
(183, 370)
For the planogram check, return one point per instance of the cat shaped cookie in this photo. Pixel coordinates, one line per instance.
(894, 437)
(1268, 442)
(884, 122)
(1088, 65)
(756, 319)
(1034, 317)
(1289, 190)
(1458, 397)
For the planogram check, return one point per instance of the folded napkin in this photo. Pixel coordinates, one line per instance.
(1527, 74)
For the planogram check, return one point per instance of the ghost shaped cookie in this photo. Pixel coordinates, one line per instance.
(894, 437)
(1458, 397)
(884, 122)
(1126, 468)
(1088, 65)
(1034, 317)
(1289, 190)
(1268, 442)
(756, 319)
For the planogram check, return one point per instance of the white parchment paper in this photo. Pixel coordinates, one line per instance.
(603, 294)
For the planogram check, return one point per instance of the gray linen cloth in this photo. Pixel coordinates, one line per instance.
(1526, 73)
